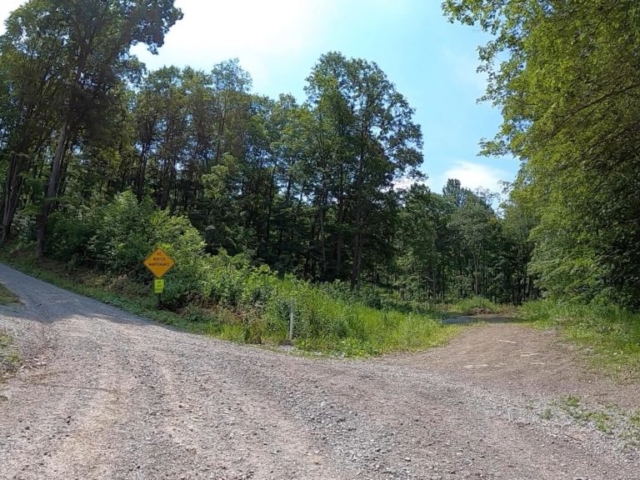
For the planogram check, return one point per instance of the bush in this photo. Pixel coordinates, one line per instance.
(124, 235)
(225, 294)
(119, 236)
(70, 231)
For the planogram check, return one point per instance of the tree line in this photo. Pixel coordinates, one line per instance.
(565, 74)
(307, 188)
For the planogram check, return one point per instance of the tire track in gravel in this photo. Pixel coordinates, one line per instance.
(111, 396)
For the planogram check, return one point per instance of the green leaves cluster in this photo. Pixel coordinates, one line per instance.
(454, 245)
(566, 77)
(117, 237)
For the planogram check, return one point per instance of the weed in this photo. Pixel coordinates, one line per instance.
(572, 401)
(473, 306)
(635, 419)
(6, 297)
(9, 359)
(610, 335)
(547, 414)
(602, 420)
(252, 305)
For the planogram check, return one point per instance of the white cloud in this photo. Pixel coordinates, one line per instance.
(405, 183)
(255, 31)
(464, 69)
(472, 176)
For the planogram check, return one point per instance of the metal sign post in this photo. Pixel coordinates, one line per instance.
(158, 289)
(291, 318)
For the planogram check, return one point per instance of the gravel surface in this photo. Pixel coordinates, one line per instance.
(105, 395)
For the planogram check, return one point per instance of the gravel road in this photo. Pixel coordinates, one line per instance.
(106, 395)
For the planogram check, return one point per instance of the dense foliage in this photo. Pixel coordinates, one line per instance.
(100, 161)
(565, 74)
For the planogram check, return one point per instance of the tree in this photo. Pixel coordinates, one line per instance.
(377, 140)
(565, 75)
(89, 42)
(27, 110)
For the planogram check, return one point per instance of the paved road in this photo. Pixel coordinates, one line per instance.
(106, 395)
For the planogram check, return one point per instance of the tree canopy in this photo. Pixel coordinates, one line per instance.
(565, 75)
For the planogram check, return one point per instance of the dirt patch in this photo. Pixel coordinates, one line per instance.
(510, 357)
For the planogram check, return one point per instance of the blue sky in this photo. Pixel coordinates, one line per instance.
(432, 63)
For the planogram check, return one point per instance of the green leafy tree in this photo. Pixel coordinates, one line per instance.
(565, 75)
(376, 137)
(88, 42)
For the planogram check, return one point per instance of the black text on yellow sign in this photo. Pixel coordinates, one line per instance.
(158, 286)
(159, 263)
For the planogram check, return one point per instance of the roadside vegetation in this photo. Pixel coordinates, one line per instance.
(474, 306)
(221, 295)
(278, 205)
(609, 335)
(6, 297)
(611, 420)
(9, 359)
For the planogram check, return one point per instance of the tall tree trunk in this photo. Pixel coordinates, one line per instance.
(12, 190)
(52, 187)
(141, 175)
(272, 189)
(341, 219)
(357, 251)
(356, 267)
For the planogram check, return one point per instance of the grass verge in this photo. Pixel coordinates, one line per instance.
(323, 323)
(611, 420)
(9, 359)
(6, 297)
(609, 336)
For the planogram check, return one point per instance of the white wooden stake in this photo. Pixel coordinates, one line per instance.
(291, 320)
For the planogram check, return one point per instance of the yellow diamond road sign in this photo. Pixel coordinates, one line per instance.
(159, 263)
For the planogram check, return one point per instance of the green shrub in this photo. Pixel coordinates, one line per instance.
(473, 306)
(70, 231)
(124, 236)
(225, 295)
(127, 231)
(225, 278)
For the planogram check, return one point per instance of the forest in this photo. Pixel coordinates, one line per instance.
(101, 160)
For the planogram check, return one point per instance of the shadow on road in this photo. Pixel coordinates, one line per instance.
(45, 303)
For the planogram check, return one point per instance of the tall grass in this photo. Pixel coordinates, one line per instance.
(610, 335)
(238, 302)
(6, 297)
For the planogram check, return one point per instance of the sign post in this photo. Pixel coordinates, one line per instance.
(291, 318)
(159, 263)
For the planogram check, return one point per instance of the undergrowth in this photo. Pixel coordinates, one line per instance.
(9, 359)
(473, 306)
(6, 297)
(238, 302)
